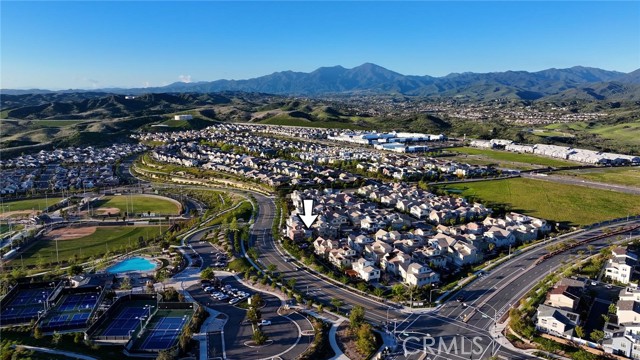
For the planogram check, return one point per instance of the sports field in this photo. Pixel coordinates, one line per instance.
(25, 305)
(30, 204)
(102, 240)
(72, 311)
(629, 176)
(127, 319)
(575, 205)
(505, 157)
(164, 330)
(137, 204)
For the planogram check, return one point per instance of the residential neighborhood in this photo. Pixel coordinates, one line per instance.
(64, 169)
(399, 232)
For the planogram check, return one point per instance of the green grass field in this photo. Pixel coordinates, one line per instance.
(139, 204)
(104, 239)
(628, 133)
(507, 156)
(29, 204)
(575, 205)
(629, 176)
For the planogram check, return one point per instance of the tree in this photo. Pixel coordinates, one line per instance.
(165, 355)
(291, 283)
(259, 337)
(366, 341)
(37, 333)
(579, 331)
(55, 339)
(254, 314)
(207, 274)
(399, 292)
(271, 268)
(75, 270)
(78, 337)
(612, 308)
(379, 292)
(336, 303)
(256, 300)
(126, 283)
(170, 294)
(597, 335)
(356, 318)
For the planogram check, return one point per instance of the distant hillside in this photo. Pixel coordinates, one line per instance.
(373, 79)
(56, 106)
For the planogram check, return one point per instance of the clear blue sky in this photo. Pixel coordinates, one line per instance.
(93, 44)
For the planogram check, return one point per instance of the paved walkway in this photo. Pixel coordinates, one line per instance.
(334, 342)
(57, 352)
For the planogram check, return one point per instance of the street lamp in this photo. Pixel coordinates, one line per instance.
(431, 292)
(495, 315)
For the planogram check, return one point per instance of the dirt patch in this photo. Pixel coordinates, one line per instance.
(107, 210)
(69, 233)
(347, 342)
(17, 214)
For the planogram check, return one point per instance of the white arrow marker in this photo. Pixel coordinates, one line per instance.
(307, 218)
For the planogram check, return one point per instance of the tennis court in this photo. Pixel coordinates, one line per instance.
(72, 312)
(164, 333)
(127, 320)
(25, 305)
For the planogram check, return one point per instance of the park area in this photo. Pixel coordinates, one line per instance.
(27, 207)
(506, 159)
(136, 204)
(568, 204)
(81, 243)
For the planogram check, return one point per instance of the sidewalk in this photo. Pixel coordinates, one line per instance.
(334, 343)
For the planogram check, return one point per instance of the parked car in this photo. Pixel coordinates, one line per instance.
(233, 301)
(264, 322)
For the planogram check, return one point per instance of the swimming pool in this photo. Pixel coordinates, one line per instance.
(132, 264)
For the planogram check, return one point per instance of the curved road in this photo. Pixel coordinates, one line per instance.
(492, 294)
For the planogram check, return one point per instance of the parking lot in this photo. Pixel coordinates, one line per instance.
(238, 331)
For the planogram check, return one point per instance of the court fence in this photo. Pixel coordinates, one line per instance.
(107, 316)
(59, 299)
(131, 350)
(13, 293)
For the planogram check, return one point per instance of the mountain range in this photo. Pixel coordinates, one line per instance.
(575, 82)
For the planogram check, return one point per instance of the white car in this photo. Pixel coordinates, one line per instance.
(233, 301)
(264, 322)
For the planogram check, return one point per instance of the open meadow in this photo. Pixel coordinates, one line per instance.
(629, 176)
(570, 204)
(507, 158)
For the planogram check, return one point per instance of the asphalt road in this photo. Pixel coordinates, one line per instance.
(284, 332)
(493, 294)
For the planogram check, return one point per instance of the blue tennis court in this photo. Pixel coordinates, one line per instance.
(26, 304)
(165, 333)
(78, 302)
(72, 312)
(126, 320)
